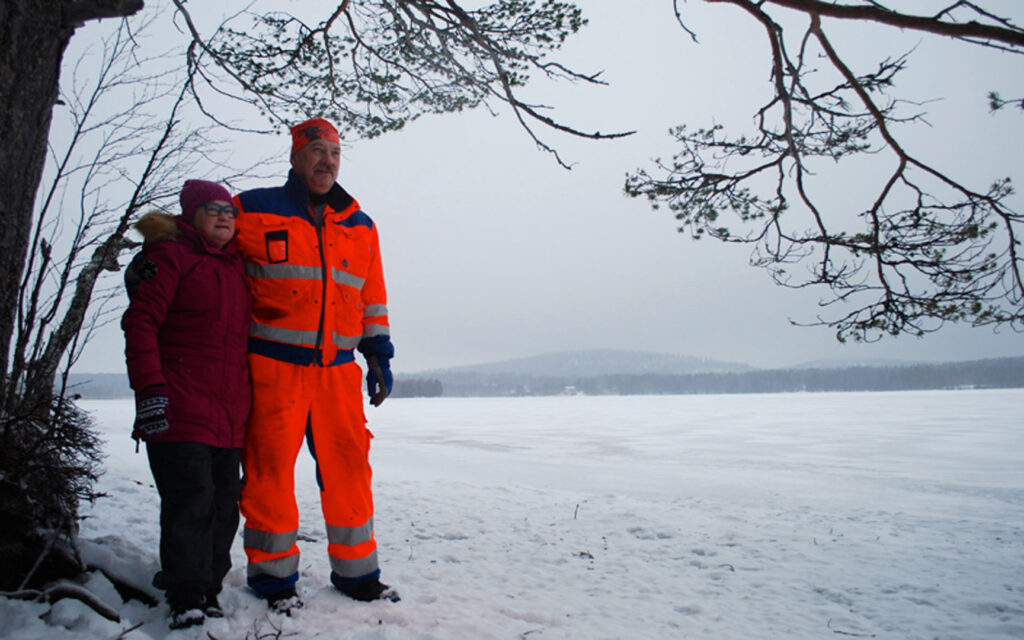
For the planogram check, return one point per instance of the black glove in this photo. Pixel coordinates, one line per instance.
(379, 372)
(151, 412)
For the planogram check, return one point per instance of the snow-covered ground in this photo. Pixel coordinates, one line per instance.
(867, 515)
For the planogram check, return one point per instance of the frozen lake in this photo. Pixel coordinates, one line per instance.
(836, 446)
(875, 515)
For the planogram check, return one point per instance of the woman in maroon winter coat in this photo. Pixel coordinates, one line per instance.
(186, 330)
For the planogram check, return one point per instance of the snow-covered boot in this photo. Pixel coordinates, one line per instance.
(212, 607)
(370, 590)
(284, 601)
(186, 615)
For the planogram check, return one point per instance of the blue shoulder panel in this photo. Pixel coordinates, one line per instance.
(357, 219)
(273, 200)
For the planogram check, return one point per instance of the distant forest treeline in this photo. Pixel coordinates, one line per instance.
(994, 374)
(1000, 373)
(417, 388)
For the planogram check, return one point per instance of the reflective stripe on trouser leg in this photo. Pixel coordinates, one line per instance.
(271, 554)
(274, 434)
(348, 548)
(342, 444)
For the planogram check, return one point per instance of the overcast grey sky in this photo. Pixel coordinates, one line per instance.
(491, 251)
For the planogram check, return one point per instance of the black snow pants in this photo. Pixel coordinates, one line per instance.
(199, 487)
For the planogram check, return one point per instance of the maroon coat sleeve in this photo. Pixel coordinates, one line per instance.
(146, 313)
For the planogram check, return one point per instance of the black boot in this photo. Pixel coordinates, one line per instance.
(284, 601)
(212, 606)
(370, 590)
(186, 614)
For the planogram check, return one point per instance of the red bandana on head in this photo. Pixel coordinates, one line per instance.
(310, 130)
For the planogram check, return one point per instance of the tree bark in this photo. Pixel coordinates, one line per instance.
(33, 37)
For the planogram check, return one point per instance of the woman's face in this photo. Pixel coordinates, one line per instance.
(216, 221)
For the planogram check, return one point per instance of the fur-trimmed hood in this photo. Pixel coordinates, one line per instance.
(157, 225)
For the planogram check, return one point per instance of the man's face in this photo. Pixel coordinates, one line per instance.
(317, 164)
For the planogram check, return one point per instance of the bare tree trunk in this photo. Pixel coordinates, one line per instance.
(34, 39)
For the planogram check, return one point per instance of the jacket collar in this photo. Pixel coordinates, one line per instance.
(337, 198)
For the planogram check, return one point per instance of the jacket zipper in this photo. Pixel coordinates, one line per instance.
(318, 224)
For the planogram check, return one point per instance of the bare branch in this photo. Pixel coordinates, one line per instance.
(1003, 32)
(388, 62)
(923, 250)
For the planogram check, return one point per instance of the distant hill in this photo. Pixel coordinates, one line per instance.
(597, 362)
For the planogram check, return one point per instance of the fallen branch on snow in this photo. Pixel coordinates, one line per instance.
(61, 590)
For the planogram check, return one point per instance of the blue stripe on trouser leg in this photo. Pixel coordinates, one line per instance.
(267, 585)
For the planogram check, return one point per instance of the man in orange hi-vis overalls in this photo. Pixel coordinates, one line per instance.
(314, 272)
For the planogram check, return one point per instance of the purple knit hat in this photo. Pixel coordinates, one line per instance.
(196, 193)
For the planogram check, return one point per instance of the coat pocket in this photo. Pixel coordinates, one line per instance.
(277, 246)
(192, 387)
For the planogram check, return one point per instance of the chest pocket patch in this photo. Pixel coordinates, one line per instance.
(277, 246)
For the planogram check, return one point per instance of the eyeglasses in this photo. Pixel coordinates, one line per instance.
(214, 210)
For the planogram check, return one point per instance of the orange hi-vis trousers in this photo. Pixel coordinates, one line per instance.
(329, 400)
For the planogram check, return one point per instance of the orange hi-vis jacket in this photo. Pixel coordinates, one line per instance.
(317, 289)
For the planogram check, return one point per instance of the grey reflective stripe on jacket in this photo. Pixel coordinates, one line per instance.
(373, 310)
(346, 342)
(346, 278)
(298, 272)
(299, 338)
(371, 329)
(291, 336)
(295, 272)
